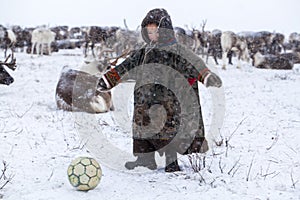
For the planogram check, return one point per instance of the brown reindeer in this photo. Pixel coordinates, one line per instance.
(277, 44)
(94, 35)
(257, 41)
(200, 38)
(76, 91)
(214, 45)
(280, 61)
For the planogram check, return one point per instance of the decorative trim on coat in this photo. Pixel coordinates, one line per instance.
(112, 77)
(203, 73)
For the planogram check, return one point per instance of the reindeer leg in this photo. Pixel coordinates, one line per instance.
(12, 48)
(241, 55)
(32, 48)
(229, 55)
(239, 64)
(206, 59)
(49, 48)
(37, 48)
(42, 49)
(224, 56)
(85, 49)
(215, 58)
(239, 60)
(93, 53)
(5, 51)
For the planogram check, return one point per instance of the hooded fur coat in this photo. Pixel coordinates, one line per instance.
(167, 111)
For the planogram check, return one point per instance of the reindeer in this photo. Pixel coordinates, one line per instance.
(7, 39)
(200, 38)
(270, 61)
(257, 41)
(94, 35)
(5, 77)
(76, 33)
(76, 91)
(214, 45)
(61, 32)
(196, 41)
(21, 41)
(294, 41)
(180, 35)
(42, 36)
(126, 39)
(276, 46)
(231, 43)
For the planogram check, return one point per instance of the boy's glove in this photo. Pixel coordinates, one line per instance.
(212, 80)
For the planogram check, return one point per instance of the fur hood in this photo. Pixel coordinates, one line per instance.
(162, 19)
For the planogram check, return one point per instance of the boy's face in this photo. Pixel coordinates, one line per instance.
(152, 32)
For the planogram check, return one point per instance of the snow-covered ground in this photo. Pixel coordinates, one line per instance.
(259, 157)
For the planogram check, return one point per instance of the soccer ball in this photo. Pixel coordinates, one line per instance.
(84, 173)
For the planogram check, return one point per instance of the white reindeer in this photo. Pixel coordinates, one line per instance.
(230, 43)
(42, 36)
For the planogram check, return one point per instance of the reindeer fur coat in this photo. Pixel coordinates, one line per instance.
(159, 120)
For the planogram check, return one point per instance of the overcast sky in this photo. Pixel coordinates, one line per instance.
(236, 15)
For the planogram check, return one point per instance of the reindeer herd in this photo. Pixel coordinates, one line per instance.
(99, 41)
(269, 50)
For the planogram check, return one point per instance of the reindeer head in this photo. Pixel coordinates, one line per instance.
(5, 77)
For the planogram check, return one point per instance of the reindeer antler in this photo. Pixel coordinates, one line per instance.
(124, 54)
(12, 64)
(203, 24)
